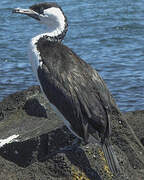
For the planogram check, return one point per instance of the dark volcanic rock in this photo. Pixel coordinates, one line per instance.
(39, 152)
(136, 120)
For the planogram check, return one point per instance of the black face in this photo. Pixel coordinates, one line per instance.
(39, 8)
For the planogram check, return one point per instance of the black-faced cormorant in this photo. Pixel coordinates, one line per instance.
(72, 86)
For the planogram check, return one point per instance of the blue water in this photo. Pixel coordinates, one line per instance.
(107, 34)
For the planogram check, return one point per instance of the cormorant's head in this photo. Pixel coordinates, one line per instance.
(47, 13)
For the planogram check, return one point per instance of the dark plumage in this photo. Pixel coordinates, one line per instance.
(74, 87)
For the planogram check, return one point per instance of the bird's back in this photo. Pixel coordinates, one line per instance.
(74, 87)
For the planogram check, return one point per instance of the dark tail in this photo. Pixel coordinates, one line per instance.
(111, 158)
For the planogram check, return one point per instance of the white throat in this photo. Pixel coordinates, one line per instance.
(56, 24)
(54, 19)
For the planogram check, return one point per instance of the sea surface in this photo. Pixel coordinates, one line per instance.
(108, 34)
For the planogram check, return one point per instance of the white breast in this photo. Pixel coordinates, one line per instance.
(34, 56)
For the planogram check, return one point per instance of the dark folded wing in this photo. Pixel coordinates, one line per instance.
(77, 91)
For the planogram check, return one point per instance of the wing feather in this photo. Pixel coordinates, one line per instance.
(77, 90)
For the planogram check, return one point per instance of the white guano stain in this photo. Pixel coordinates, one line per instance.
(8, 140)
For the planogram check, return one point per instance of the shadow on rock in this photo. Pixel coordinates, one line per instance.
(27, 152)
(46, 149)
(21, 153)
(79, 159)
(34, 108)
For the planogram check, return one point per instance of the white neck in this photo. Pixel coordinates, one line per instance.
(56, 25)
(54, 19)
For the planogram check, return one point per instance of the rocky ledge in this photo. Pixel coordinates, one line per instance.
(33, 143)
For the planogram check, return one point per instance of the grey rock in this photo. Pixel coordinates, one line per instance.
(136, 120)
(40, 150)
